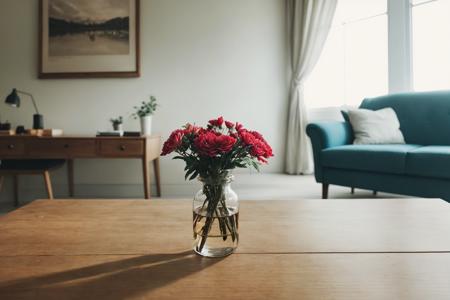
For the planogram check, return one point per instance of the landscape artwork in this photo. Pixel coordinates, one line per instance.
(87, 27)
(89, 38)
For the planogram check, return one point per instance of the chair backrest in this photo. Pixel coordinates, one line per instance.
(424, 117)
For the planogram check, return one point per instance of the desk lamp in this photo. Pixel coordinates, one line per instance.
(13, 99)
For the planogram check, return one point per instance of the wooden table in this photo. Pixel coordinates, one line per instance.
(146, 149)
(306, 249)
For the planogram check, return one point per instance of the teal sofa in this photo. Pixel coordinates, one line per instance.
(421, 167)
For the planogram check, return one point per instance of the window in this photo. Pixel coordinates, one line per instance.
(431, 44)
(354, 62)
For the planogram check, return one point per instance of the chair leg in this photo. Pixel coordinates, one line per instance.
(70, 179)
(48, 184)
(16, 190)
(325, 187)
(353, 190)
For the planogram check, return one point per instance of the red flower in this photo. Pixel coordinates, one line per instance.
(247, 138)
(173, 142)
(258, 146)
(218, 122)
(261, 151)
(211, 144)
(239, 126)
(191, 129)
(258, 136)
(229, 124)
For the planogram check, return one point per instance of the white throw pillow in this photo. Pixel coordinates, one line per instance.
(376, 127)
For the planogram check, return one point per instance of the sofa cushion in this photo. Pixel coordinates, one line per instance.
(429, 161)
(375, 126)
(373, 158)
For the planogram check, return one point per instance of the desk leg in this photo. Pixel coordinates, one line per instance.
(146, 175)
(157, 177)
(70, 177)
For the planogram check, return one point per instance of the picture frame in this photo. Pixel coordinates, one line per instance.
(89, 39)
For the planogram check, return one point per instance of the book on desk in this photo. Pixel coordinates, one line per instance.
(119, 133)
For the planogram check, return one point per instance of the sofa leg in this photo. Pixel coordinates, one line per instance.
(325, 190)
(353, 190)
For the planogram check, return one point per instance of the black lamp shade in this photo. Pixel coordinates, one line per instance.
(13, 99)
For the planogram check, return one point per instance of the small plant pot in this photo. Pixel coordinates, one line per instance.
(118, 127)
(146, 125)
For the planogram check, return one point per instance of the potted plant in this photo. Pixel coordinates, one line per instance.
(144, 112)
(117, 123)
(210, 153)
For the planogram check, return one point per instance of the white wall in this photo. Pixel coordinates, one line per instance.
(200, 58)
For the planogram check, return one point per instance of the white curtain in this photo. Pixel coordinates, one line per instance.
(309, 22)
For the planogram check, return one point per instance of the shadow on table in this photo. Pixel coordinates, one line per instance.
(118, 279)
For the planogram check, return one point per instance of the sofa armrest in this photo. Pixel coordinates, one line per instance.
(327, 135)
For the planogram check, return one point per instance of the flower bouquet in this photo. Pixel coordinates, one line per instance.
(210, 153)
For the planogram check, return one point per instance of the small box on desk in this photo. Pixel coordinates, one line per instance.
(132, 133)
(44, 132)
(7, 132)
(108, 133)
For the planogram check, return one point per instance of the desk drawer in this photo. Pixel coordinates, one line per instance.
(61, 148)
(11, 147)
(121, 148)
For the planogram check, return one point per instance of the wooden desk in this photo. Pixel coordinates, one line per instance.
(133, 249)
(72, 147)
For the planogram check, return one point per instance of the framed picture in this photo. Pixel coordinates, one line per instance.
(88, 38)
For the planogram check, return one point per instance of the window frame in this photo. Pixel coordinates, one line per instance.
(342, 23)
(400, 45)
(400, 56)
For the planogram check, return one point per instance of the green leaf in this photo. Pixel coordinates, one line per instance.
(189, 173)
(255, 165)
(193, 175)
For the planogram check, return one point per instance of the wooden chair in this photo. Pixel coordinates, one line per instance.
(29, 167)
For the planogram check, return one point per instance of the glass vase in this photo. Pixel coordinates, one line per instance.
(215, 217)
